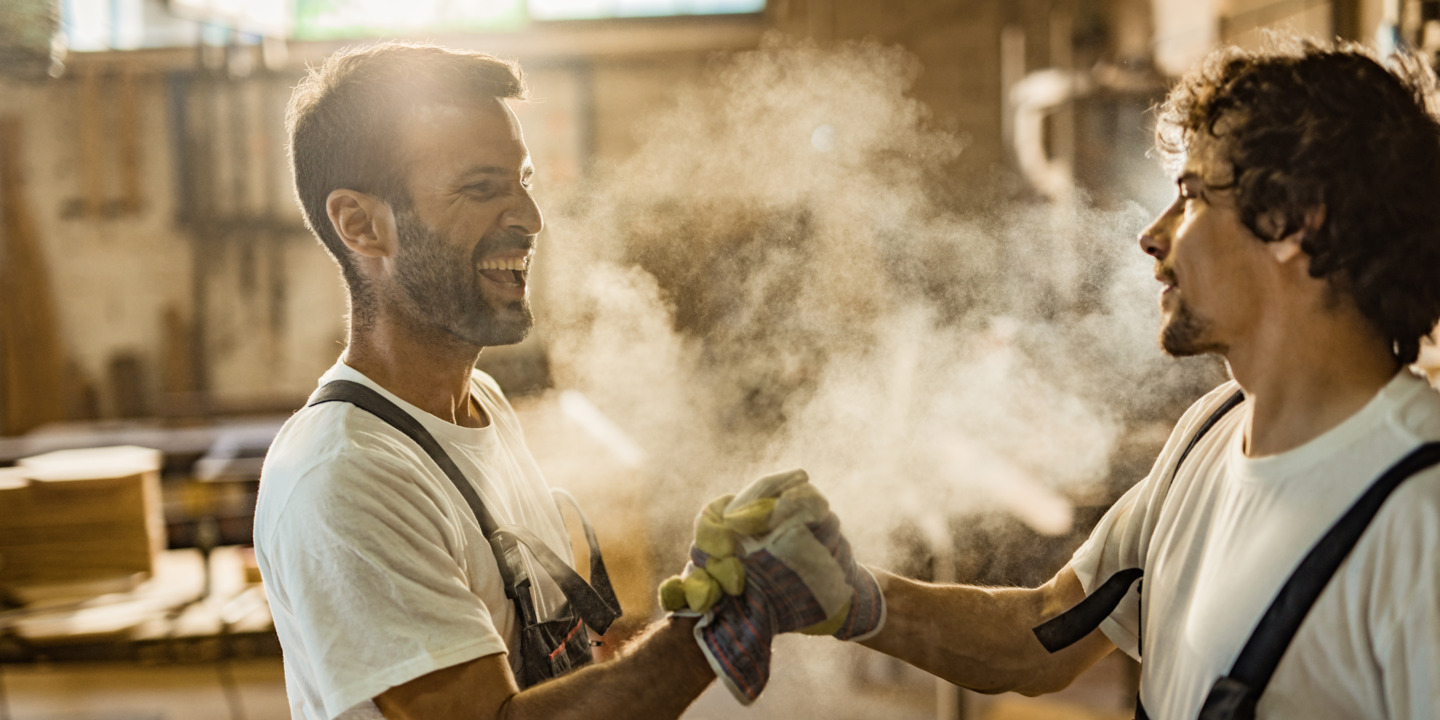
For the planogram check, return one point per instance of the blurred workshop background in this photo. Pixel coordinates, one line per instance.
(891, 242)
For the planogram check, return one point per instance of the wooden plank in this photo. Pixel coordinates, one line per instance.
(83, 516)
(31, 357)
(131, 197)
(92, 144)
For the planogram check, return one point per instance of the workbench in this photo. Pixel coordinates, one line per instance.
(164, 649)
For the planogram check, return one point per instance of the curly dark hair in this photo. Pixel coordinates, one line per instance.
(1306, 126)
(343, 116)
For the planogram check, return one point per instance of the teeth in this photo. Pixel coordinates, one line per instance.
(510, 264)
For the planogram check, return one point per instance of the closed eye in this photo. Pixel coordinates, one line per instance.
(482, 188)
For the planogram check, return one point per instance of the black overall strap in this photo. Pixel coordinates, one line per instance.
(1074, 624)
(1069, 627)
(378, 405)
(587, 603)
(1241, 689)
(599, 576)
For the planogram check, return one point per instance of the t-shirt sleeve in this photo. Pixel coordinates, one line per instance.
(1405, 599)
(1113, 546)
(369, 571)
(1410, 660)
(1121, 539)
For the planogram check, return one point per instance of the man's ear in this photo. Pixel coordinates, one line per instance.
(364, 222)
(1288, 248)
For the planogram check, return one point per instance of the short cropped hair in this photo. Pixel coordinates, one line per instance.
(1304, 126)
(343, 116)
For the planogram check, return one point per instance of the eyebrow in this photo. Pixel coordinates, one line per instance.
(525, 170)
(483, 170)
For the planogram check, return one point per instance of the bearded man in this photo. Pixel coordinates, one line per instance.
(389, 531)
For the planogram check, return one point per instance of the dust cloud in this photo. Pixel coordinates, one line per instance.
(782, 277)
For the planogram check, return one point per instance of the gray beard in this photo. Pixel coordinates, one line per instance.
(442, 289)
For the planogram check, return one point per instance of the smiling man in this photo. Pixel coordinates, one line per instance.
(1303, 247)
(392, 556)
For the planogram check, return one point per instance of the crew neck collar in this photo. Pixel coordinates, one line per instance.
(1332, 441)
(442, 429)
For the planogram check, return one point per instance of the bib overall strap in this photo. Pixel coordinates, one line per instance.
(548, 647)
(1074, 624)
(376, 404)
(1069, 627)
(591, 605)
(1235, 695)
(599, 576)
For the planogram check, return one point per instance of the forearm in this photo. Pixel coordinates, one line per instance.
(981, 638)
(657, 676)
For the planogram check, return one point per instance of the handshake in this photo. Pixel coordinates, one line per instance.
(767, 561)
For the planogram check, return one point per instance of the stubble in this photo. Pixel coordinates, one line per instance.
(442, 289)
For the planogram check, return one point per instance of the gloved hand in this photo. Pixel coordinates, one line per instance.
(789, 497)
(767, 561)
(763, 507)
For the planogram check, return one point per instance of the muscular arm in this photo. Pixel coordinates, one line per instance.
(658, 676)
(980, 638)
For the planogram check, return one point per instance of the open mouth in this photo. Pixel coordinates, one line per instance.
(504, 271)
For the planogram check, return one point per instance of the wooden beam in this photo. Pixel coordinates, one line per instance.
(539, 45)
(32, 366)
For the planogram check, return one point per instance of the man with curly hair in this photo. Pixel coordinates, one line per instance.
(1303, 247)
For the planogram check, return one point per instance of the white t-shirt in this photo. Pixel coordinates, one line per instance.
(1232, 529)
(376, 569)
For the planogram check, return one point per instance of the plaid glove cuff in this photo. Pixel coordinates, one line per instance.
(736, 634)
(867, 606)
(735, 637)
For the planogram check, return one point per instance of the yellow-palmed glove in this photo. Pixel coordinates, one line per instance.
(729, 521)
(700, 586)
(770, 560)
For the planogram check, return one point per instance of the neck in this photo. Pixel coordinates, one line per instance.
(421, 365)
(1305, 375)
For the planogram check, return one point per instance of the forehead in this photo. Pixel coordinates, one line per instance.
(451, 138)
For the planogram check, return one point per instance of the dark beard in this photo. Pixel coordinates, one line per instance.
(1184, 335)
(443, 288)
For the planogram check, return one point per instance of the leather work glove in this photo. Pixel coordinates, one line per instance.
(767, 561)
(775, 501)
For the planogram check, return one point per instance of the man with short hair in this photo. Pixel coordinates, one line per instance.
(387, 596)
(1303, 247)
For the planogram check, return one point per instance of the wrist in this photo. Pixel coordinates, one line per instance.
(679, 632)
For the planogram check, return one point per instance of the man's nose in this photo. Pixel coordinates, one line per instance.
(524, 215)
(1155, 239)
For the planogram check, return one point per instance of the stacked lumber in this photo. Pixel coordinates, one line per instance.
(77, 522)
